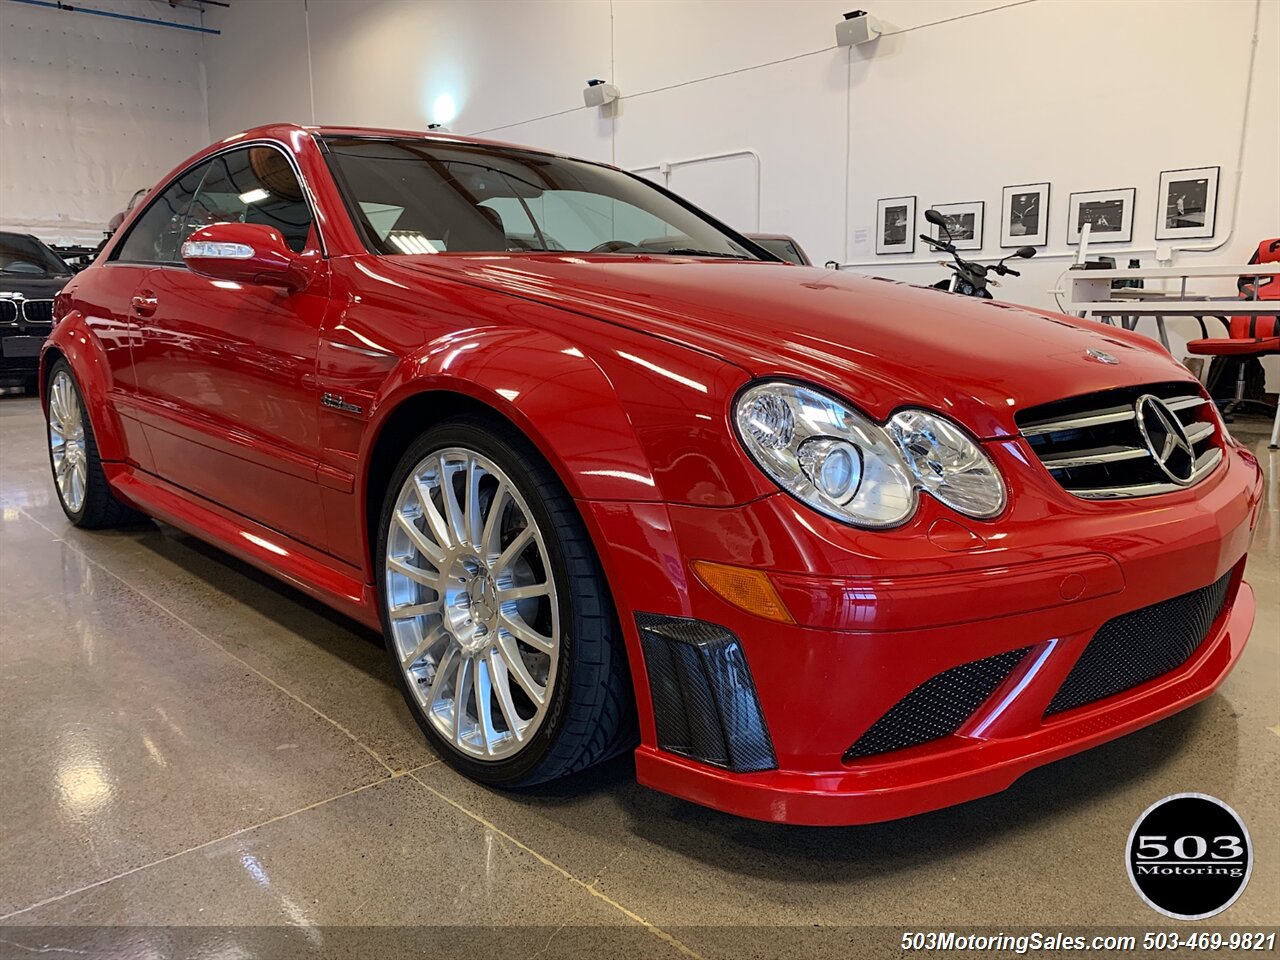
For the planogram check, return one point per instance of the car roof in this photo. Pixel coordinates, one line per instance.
(286, 131)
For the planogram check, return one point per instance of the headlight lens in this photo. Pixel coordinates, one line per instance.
(839, 462)
(825, 454)
(947, 463)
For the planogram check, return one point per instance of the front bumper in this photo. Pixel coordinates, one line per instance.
(20, 352)
(880, 614)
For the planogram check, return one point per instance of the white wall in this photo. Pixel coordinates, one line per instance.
(1086, 94)
(92, 109)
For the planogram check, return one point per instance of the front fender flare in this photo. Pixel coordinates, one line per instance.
(556, 395)
(73, 339)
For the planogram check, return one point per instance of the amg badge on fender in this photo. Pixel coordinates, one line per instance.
(335, 402)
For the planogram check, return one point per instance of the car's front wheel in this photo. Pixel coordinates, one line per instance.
(496, 613)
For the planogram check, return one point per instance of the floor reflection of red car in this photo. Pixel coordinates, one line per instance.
(831, 549)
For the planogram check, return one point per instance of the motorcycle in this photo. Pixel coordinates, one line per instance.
(969, 279)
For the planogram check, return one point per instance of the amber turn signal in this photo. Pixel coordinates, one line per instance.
(749, 590)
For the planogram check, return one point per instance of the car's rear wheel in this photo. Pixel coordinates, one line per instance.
(496, 613)
(82, 487)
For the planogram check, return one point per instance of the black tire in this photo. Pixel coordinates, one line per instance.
(591, 716)
(100, 508)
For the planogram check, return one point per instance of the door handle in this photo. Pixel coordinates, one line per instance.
(144, 304)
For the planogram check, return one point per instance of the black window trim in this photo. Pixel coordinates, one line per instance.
(362, 225)
(309, 197)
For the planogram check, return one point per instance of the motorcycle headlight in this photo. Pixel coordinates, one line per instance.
(844, 465)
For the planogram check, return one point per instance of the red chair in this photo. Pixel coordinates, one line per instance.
(1249, 335)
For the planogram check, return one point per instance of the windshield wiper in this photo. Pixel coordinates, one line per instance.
(695, 252)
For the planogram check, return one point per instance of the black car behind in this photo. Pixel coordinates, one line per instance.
(30, 275)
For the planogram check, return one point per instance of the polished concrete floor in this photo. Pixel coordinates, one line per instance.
(186, 745)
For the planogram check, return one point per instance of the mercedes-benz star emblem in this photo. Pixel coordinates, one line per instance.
(1166, 438)
(1100, 356)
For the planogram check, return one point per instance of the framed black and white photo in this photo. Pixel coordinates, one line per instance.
(1024, 215)
(896, 225)
(964, 224)
(1188, 204)
(1109, 214)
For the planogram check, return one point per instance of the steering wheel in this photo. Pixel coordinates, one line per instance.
(615, 246)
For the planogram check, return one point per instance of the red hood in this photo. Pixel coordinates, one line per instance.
(880, 343)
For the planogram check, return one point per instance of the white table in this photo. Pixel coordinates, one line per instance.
(1089, 294)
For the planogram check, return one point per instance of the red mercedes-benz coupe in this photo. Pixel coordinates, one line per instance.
(832, 549)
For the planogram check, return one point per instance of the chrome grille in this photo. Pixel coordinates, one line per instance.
(37, 311)
(1096, 447)
(8, 311)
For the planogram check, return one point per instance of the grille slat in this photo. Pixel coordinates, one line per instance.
(1088, 458)
(1199, 431)
(938, 707)
(1133, 648)
(37, 311)
(1204, 466)
(1118, 415)
(1096, 448)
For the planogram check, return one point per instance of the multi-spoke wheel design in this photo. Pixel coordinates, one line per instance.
(67, 446)
(472, 604)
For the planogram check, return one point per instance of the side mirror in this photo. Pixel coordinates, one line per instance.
(934, 217)
(245, 253)
(1025, 253)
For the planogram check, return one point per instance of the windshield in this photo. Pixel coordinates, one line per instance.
(20, 254)
(781, 247)
(416, 196)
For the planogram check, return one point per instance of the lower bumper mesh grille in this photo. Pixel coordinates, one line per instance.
(937, 707)
(1133, 648)
(704, 700)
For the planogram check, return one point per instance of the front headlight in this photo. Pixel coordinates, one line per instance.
(841, 463)
(947, 463)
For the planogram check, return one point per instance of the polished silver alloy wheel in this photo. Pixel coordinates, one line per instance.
(472, 604)
(66, 441)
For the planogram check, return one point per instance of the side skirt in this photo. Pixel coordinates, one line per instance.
(327, 579)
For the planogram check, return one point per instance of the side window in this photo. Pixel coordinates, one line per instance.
(154, 236)
(254, 185)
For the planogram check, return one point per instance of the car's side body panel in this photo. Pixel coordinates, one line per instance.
(225, 386)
